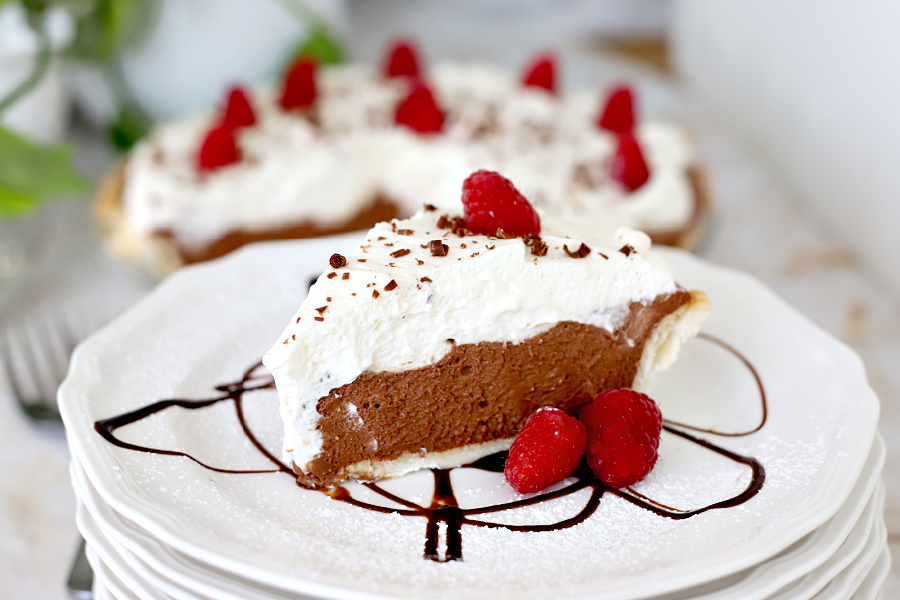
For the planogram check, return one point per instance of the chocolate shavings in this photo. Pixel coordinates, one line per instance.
(582, 251)
(438, 248)
(538, 246)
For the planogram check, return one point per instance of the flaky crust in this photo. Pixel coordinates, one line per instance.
(153, 255)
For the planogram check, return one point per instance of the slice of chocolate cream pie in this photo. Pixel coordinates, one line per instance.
(431, 345)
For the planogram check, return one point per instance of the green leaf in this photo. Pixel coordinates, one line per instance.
(29, 173)
(131, 125)
(16, 204)
(322, 46)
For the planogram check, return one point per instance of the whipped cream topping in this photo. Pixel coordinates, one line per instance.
(396, 306)
(296, 170)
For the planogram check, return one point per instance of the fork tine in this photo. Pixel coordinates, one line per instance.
(10, 370)
(61, 345)
(41, 404)
(64, 329)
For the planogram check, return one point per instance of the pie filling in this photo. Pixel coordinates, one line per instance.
(477, 393)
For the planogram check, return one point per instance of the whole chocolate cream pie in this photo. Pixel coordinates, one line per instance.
(430, 346)
(345, 164)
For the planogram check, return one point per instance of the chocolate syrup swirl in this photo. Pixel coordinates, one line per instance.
(444, 510)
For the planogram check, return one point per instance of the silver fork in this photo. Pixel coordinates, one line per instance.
(35, 358)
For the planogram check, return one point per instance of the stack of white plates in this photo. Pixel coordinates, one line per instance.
(761, 383)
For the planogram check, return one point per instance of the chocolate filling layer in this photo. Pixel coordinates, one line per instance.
(477, 392)
(381, 209)
(384, 209)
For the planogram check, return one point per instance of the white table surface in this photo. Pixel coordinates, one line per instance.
(759, 227)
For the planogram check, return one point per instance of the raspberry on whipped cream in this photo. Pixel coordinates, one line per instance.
(321, 168)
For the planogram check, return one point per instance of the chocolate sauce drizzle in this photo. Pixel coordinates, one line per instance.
(444, 510)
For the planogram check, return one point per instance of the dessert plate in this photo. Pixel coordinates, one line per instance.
(106, 583)
(858, 554)
(871, 587)
(207, 325)
(828, 549)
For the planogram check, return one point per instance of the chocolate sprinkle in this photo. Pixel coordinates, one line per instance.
(424, 279)
(391, 285)
(538, 247)
(438, 248)
(404, 232)
(331, 275)
(401, 252)
(321, 309)
(459, 227)
(375, 293)
(627, 250)
(582, 251)
(319, 318)
(345, 276)
(430, 207)
(337, 261)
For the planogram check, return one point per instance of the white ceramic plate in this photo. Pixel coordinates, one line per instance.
(207, 324)
(871, 587)
(106, 584)
(848, 581)
(834, 579)
(825, 546)
(140, 556)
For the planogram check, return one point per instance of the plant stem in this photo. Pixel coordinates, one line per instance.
(41, 62)
(304, 13)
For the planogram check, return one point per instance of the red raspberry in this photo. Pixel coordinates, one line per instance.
(299, 89)
(238, 111)
(623, 436)
(492, 202)
(547, 450)
(618, 112)
(628, 166)
(402, 60)
(541, 73)
(419, 111)
(219, 148)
